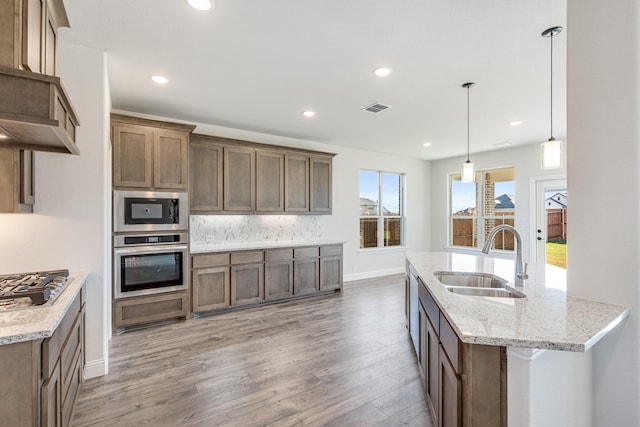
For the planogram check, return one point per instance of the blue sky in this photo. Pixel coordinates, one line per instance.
(369, 188)
(464, 195)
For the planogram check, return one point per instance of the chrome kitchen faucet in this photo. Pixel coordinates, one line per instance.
(520, 271)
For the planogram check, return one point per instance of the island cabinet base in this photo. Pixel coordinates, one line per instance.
(465, 385)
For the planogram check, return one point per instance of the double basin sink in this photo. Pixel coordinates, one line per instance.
(477, 284)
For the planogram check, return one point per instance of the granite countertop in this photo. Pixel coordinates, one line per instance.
(39, 322)
(264, 244)
(547, 318)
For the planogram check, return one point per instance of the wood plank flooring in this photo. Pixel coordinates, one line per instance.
(341, 360)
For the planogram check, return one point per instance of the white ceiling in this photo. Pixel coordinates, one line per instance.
(257, 64)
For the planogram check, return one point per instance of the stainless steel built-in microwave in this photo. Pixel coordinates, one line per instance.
(149, 211)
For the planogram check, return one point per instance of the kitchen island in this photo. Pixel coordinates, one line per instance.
(42, 358)
(544, 336)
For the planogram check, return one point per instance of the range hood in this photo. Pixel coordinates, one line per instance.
(35, 113)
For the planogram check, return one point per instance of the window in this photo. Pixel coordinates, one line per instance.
(477, 207)
(381, 209)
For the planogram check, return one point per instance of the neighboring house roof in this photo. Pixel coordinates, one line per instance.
(506, 201)
(557, 201)
(369, 207)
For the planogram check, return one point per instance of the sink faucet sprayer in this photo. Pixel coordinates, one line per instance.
(520, 271)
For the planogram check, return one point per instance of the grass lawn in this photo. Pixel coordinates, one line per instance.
(557, 254)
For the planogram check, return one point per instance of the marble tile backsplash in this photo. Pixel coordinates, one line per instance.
(212, 229)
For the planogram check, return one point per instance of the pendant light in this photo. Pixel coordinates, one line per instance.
(551, 150)
(467, 167)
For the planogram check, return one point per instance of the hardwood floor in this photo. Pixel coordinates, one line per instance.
(343, 360)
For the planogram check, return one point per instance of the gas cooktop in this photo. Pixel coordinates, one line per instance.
(27, 289)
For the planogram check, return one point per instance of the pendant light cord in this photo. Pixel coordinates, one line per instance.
(468, 87)
(551, 80)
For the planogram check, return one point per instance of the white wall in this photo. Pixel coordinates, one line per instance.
(525, 159)
(604, 120)
(67, 228)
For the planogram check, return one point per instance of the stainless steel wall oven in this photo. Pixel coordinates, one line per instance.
(146, 264)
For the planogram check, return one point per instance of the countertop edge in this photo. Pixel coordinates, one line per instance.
(48, 317)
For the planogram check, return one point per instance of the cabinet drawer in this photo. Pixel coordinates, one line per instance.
(142, 310)
(52, 346)
(209, 260)
(300, 253)
(430, 306)
(331, 250)
(278, 254)
(450, 343)
(246, 257)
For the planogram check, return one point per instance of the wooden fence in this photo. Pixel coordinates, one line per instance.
(369, 232)
(556, 224)
(465, 232)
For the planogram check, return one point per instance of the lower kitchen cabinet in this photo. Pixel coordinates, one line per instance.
(330, 267)
(464, 384)
(149, 309)
(210, 282)
(278, 274)
(227, 280)
(306, 271)
(41, 378)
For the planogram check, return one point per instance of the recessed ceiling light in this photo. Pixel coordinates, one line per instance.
(382, 71)
(308, 113)
(515, 123)
(428, 144)
(3, 136)
(201, 4)
(502, 144)
(161, 80)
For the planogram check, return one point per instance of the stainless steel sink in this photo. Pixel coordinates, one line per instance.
(470, 280)
(486, 292)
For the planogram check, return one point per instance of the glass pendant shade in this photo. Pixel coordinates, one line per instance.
(467, 172)
(551, 153)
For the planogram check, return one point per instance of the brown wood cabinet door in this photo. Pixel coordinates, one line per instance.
(320, 185)
(247, 283)
(330, 273)
(32, 23)
(239, 179)
(51, 400)
(431, 367)
(306, 278)
(422, 344)
(50, 44)
(278, 280)
(170, 160)
(211, 289)
(206, 177)
(450, 393)
(269, 181)
(132, 155)
(296, 183)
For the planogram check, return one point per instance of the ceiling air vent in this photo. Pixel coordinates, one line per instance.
(376, 107)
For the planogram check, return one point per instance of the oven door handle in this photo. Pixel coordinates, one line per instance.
(149, 249)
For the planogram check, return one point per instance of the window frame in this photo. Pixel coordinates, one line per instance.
(479, 217)
(380, 238)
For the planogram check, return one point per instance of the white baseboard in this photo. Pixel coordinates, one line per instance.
(372, 274)
(95, 368)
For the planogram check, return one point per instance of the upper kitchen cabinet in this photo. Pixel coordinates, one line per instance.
(234, 176)
(320, 185)
(296, 183)
(239, 179)
(150, 154)
(35, 113)
(269, 181)
(16, 180)
(206, 176)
